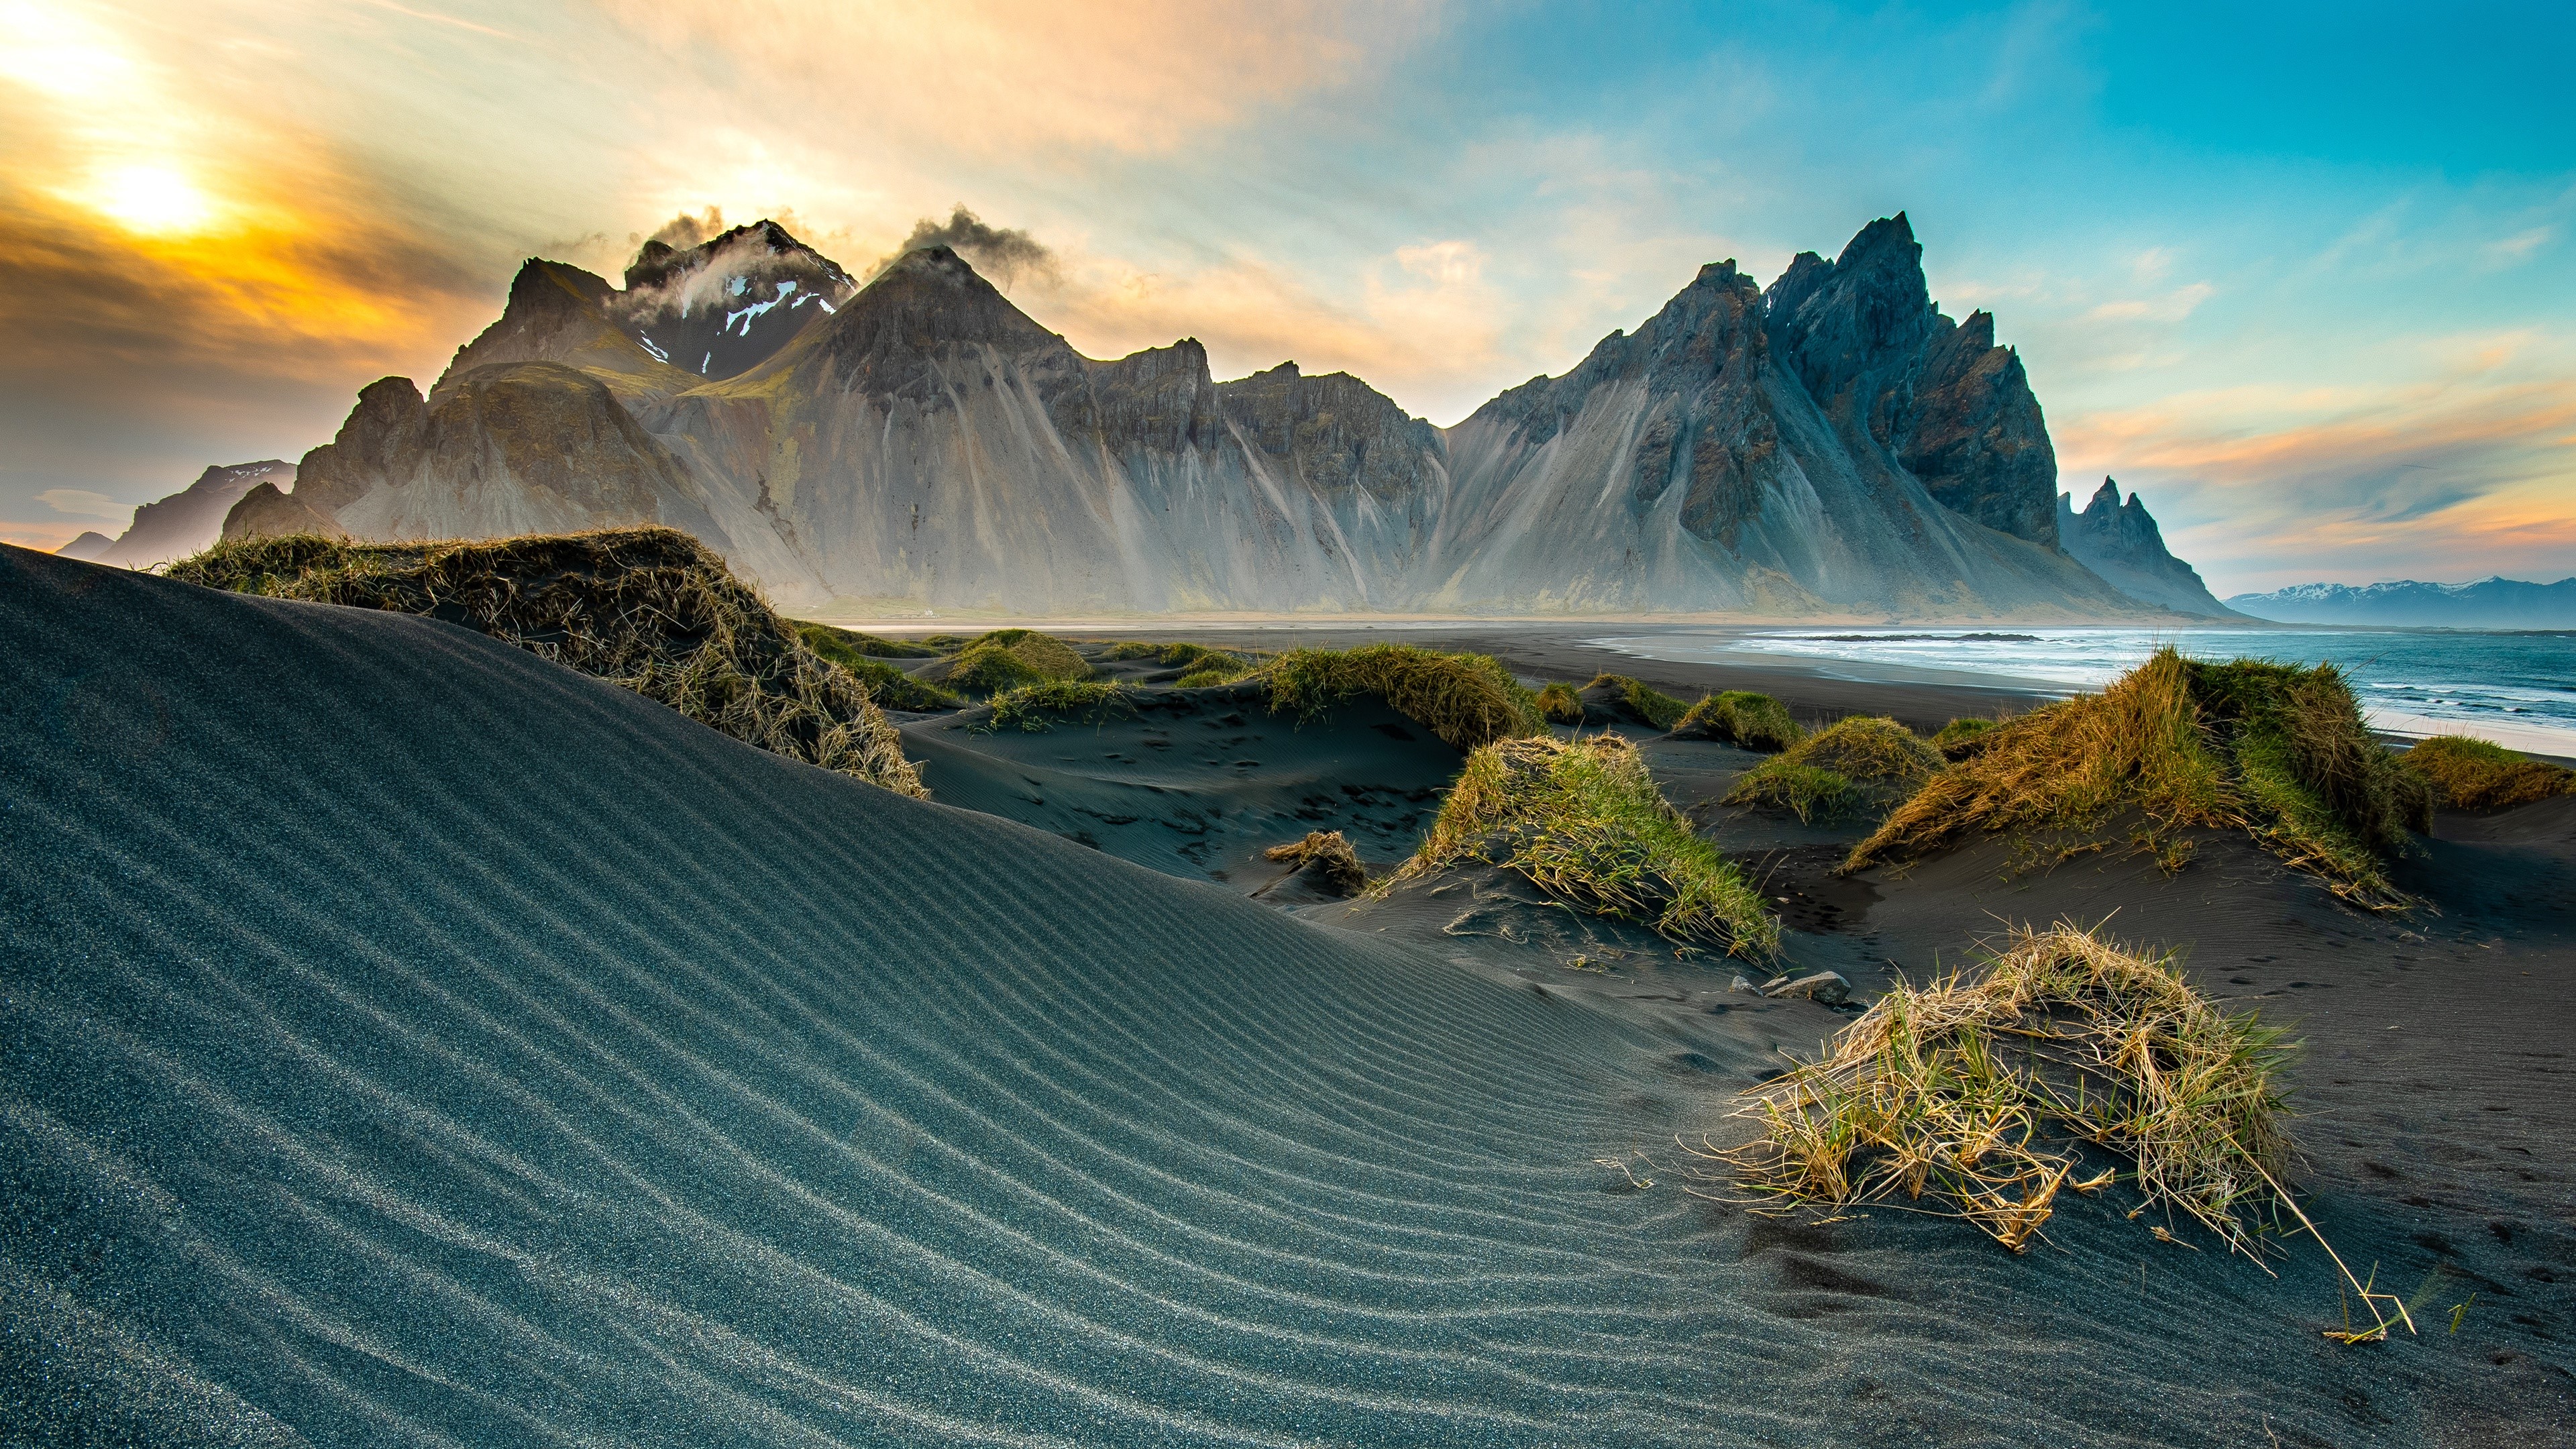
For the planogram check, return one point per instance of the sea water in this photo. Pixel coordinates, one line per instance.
(2516, 688)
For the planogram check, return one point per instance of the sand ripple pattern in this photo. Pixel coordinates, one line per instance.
(409, 1042)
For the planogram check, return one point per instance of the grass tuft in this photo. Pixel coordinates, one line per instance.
(1328, 856)
(2277, 750)
(1741, 717)
(1583, 821)
(2471, 774)
(1981, 1097)
(1863, 759)
(1468, 700)
(1038, 706)
(1557, 704)
(649, 609)
(1961, 738)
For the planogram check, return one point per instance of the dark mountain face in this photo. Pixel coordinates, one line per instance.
(2120, 541)
(1938, 398)
(725, 306)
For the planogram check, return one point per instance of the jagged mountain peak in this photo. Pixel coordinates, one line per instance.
(657, 262)
(730, 303)
(2121, 542)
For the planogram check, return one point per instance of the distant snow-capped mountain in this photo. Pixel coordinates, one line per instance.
(2496, 603)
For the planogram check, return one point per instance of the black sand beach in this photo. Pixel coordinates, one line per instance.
(410, 1041)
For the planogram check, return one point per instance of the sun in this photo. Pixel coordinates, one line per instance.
(155, 200)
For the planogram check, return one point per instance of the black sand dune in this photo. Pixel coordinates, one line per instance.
(403, 1040)
(1198, 782)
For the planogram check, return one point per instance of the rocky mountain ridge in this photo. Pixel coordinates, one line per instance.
(2120, 541)
(1837, 447)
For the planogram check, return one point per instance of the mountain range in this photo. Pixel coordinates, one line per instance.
(184, 522)
(2497, 603)
(1833, 445)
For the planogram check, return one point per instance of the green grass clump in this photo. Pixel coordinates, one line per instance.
(1468, 700)
(891, 687)
(851, 641)
(2471, 774)
(1639, 701)
(1583, 821)
(1848, 763)
(1199, 665)
(1007, 659)
(2277, 750)
(1741, 717)
(1038, 706)
(1984, 1098)
(1963, 737)
(649, 609)
(1134, 649)
(1558, 704)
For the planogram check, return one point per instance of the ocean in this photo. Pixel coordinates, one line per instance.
(2515, 688)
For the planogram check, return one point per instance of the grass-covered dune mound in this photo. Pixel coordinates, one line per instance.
(1468, 700)
(2278, 750)
(1583, 821)
(1192, 666)
(1740, 717)
(866, 645)
(2471, 774)
(1861, 760)
(892, 688)
(1043, 705)
(1985, 1099)
(649, 609)
(1611, 698)
(1006, 659)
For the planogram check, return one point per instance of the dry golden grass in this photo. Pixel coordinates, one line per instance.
(1740, 717)
(1468, 700)
(2471, 774)
(1328, 856)
(650, 609)
(1979, 1100)
(2277, 750)
(1980, 1096)
(1584, 822)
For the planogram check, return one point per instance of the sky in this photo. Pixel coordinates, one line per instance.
(2304, 277)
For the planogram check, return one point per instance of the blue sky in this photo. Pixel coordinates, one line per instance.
(2303, 276)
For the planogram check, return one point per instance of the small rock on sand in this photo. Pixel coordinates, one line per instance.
(1825, 987)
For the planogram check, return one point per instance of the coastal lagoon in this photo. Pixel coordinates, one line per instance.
(2517, 688)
